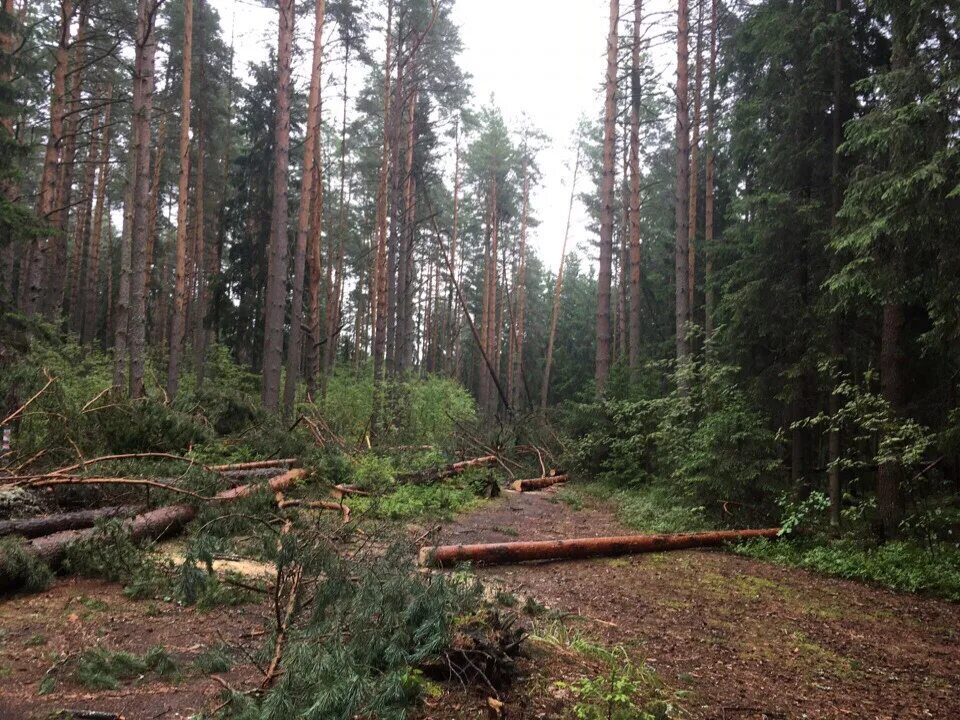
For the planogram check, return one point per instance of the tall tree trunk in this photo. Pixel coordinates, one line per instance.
(453, 311)
(200, 252)
(405, 320)
(682, 309)
(520, 292)
(558, 288)
(277, 262)
(32, 283)
(56, 269)
(178, 322)
(695, 169)
(892, 352)
(307, 197)
(81, 235)
(143, 102)
(836, 349)
(153, 211)
(602, 365)
(88, 326)
(709, 230)
(329, 348)
(379, 302)
(634, 197)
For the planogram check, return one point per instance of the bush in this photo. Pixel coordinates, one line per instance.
(710, 443)
(899, 565)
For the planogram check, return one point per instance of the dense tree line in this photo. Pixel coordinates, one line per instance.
(777, 217)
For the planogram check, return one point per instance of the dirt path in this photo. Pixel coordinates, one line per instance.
(745, 639)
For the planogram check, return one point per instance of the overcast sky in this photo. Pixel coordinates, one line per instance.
(544, 58)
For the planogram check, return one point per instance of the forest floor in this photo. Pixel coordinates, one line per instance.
(709, 633)
(728, 637)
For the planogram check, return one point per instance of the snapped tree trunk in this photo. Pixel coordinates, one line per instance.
(558, 288)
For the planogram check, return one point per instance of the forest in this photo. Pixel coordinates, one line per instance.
(308, 411)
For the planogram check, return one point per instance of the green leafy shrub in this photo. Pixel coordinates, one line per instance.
(710, 442)
(899, 565)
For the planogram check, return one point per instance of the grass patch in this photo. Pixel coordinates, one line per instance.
(102, 669)
(654, 507)
(898, 565)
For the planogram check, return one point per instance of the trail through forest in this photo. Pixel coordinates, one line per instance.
(717, 635)
(736, 637)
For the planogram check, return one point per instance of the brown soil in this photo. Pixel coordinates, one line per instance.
(726, 637)
(45, 632)
(736, 637)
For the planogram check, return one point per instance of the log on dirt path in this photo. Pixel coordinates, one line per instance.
(537, 483)
(154, 525)
(512, 552)
(436, 474)
(47, 524)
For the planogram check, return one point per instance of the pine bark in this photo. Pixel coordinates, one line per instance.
(709, 230)
(311, 174)
(201, 251)
(682, 308)
(81, 235)
(634, 197)
(178, 320)
(88, 326)
(602, 364)
(56, 268)
(379, 302)
(520, 292)
(142, 107)
(277, 262)
(32, 284)
(693, 200)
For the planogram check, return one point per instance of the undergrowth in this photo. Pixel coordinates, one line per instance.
(651, 508)
(902, 565)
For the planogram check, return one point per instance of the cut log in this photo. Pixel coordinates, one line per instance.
(511, 552)
(153, 525)
(341, 491)
(432, 475)
(537, 483)
(47, 524)
(257, 464)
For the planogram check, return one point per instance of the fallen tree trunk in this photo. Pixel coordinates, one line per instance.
(256, 464)
(153, 525)
(432, 475)
(511, 552)
(537, 483)
(47, 524)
